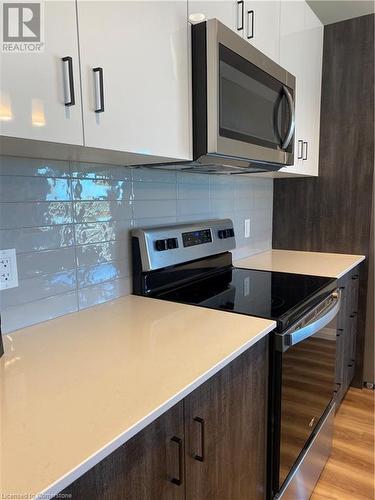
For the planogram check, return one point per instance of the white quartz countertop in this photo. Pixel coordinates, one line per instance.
(75, 388)
(331, 265)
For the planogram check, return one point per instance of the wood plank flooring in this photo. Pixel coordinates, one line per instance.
(349, 472)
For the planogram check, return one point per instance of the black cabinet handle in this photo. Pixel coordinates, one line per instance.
(175, 480)
(250, 13)
(240, 8)
(300, 149)
(355, 277)
(305, 143)
(68, 81)
(99, 90)
(200, 421)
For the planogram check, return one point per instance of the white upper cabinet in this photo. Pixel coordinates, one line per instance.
(256, 21)
(35, 86)
(229, 12)
(262, 26)
(301, 48)
(135, 78)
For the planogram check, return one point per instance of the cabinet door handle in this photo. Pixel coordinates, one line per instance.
(99, 90)
(355, 277)
(250, 34)
(68, 81)
(240, 14)
(300, 149)
(175, 480)
(305, 150)
(200, 421)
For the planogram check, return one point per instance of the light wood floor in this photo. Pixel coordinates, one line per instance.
(349, 472)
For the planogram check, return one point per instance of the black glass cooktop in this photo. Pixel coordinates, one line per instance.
(278, 296)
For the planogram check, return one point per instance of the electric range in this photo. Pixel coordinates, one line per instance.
(192, 264)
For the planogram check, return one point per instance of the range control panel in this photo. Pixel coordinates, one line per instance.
(169, 245)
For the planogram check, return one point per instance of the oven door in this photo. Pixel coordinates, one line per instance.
(250, 100)
(307, 357)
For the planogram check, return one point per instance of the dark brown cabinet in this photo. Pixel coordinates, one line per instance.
(347, 333)
(225, 432)
(147, 467)
(210, 446)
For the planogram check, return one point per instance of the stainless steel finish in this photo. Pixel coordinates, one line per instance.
(292, 124)
(311, 323)
(305, 474)
(222, 148)
(152, 259)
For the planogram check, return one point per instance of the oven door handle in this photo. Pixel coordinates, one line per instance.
(292, 122)
(294, 336)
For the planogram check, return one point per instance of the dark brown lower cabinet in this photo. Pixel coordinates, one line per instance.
(210, 446)
(347, 333)
(225, 431)
(142, 469)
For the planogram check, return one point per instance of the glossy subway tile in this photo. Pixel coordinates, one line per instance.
(89, 255)
(70, 225)
(21, 189)
(35, 264)
(99, 171)
(31, 313)
(10, 165)
(155, 208)
(38, 288)
(92, 295)
(89, 189)
(32, 214)
(154, 191)
(153, 175)
(102, 211)
(38, 238)
(107, 271)
(101, 231)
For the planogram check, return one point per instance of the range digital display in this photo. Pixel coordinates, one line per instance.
(196, 237)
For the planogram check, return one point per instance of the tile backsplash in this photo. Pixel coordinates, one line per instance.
(69, 223)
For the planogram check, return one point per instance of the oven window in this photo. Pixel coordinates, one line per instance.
(253, 107)
(308, 382)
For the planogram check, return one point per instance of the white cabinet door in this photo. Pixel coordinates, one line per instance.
(32, 92)
(229, 12)
(262, 26)
(142, 50)
(301, 46)
(312, 83)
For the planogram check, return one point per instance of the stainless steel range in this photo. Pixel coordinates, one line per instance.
(192, 264)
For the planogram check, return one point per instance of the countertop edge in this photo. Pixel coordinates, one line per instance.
(360, 259)
(63, 482)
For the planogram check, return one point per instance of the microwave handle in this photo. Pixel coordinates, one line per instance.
(286, 340)
(292, 123)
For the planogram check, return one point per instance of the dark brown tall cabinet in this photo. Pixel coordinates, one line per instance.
(332, 213)
(210, 446)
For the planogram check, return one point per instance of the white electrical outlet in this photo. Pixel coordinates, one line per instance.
(8, 269)
(247, 228)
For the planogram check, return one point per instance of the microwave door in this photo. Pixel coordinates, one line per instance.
(255, 110)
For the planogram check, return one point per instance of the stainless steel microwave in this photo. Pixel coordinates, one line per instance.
(243, 104)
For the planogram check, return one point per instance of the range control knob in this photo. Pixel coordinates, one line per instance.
(172, 243)
(225, 233)
(161, 245)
